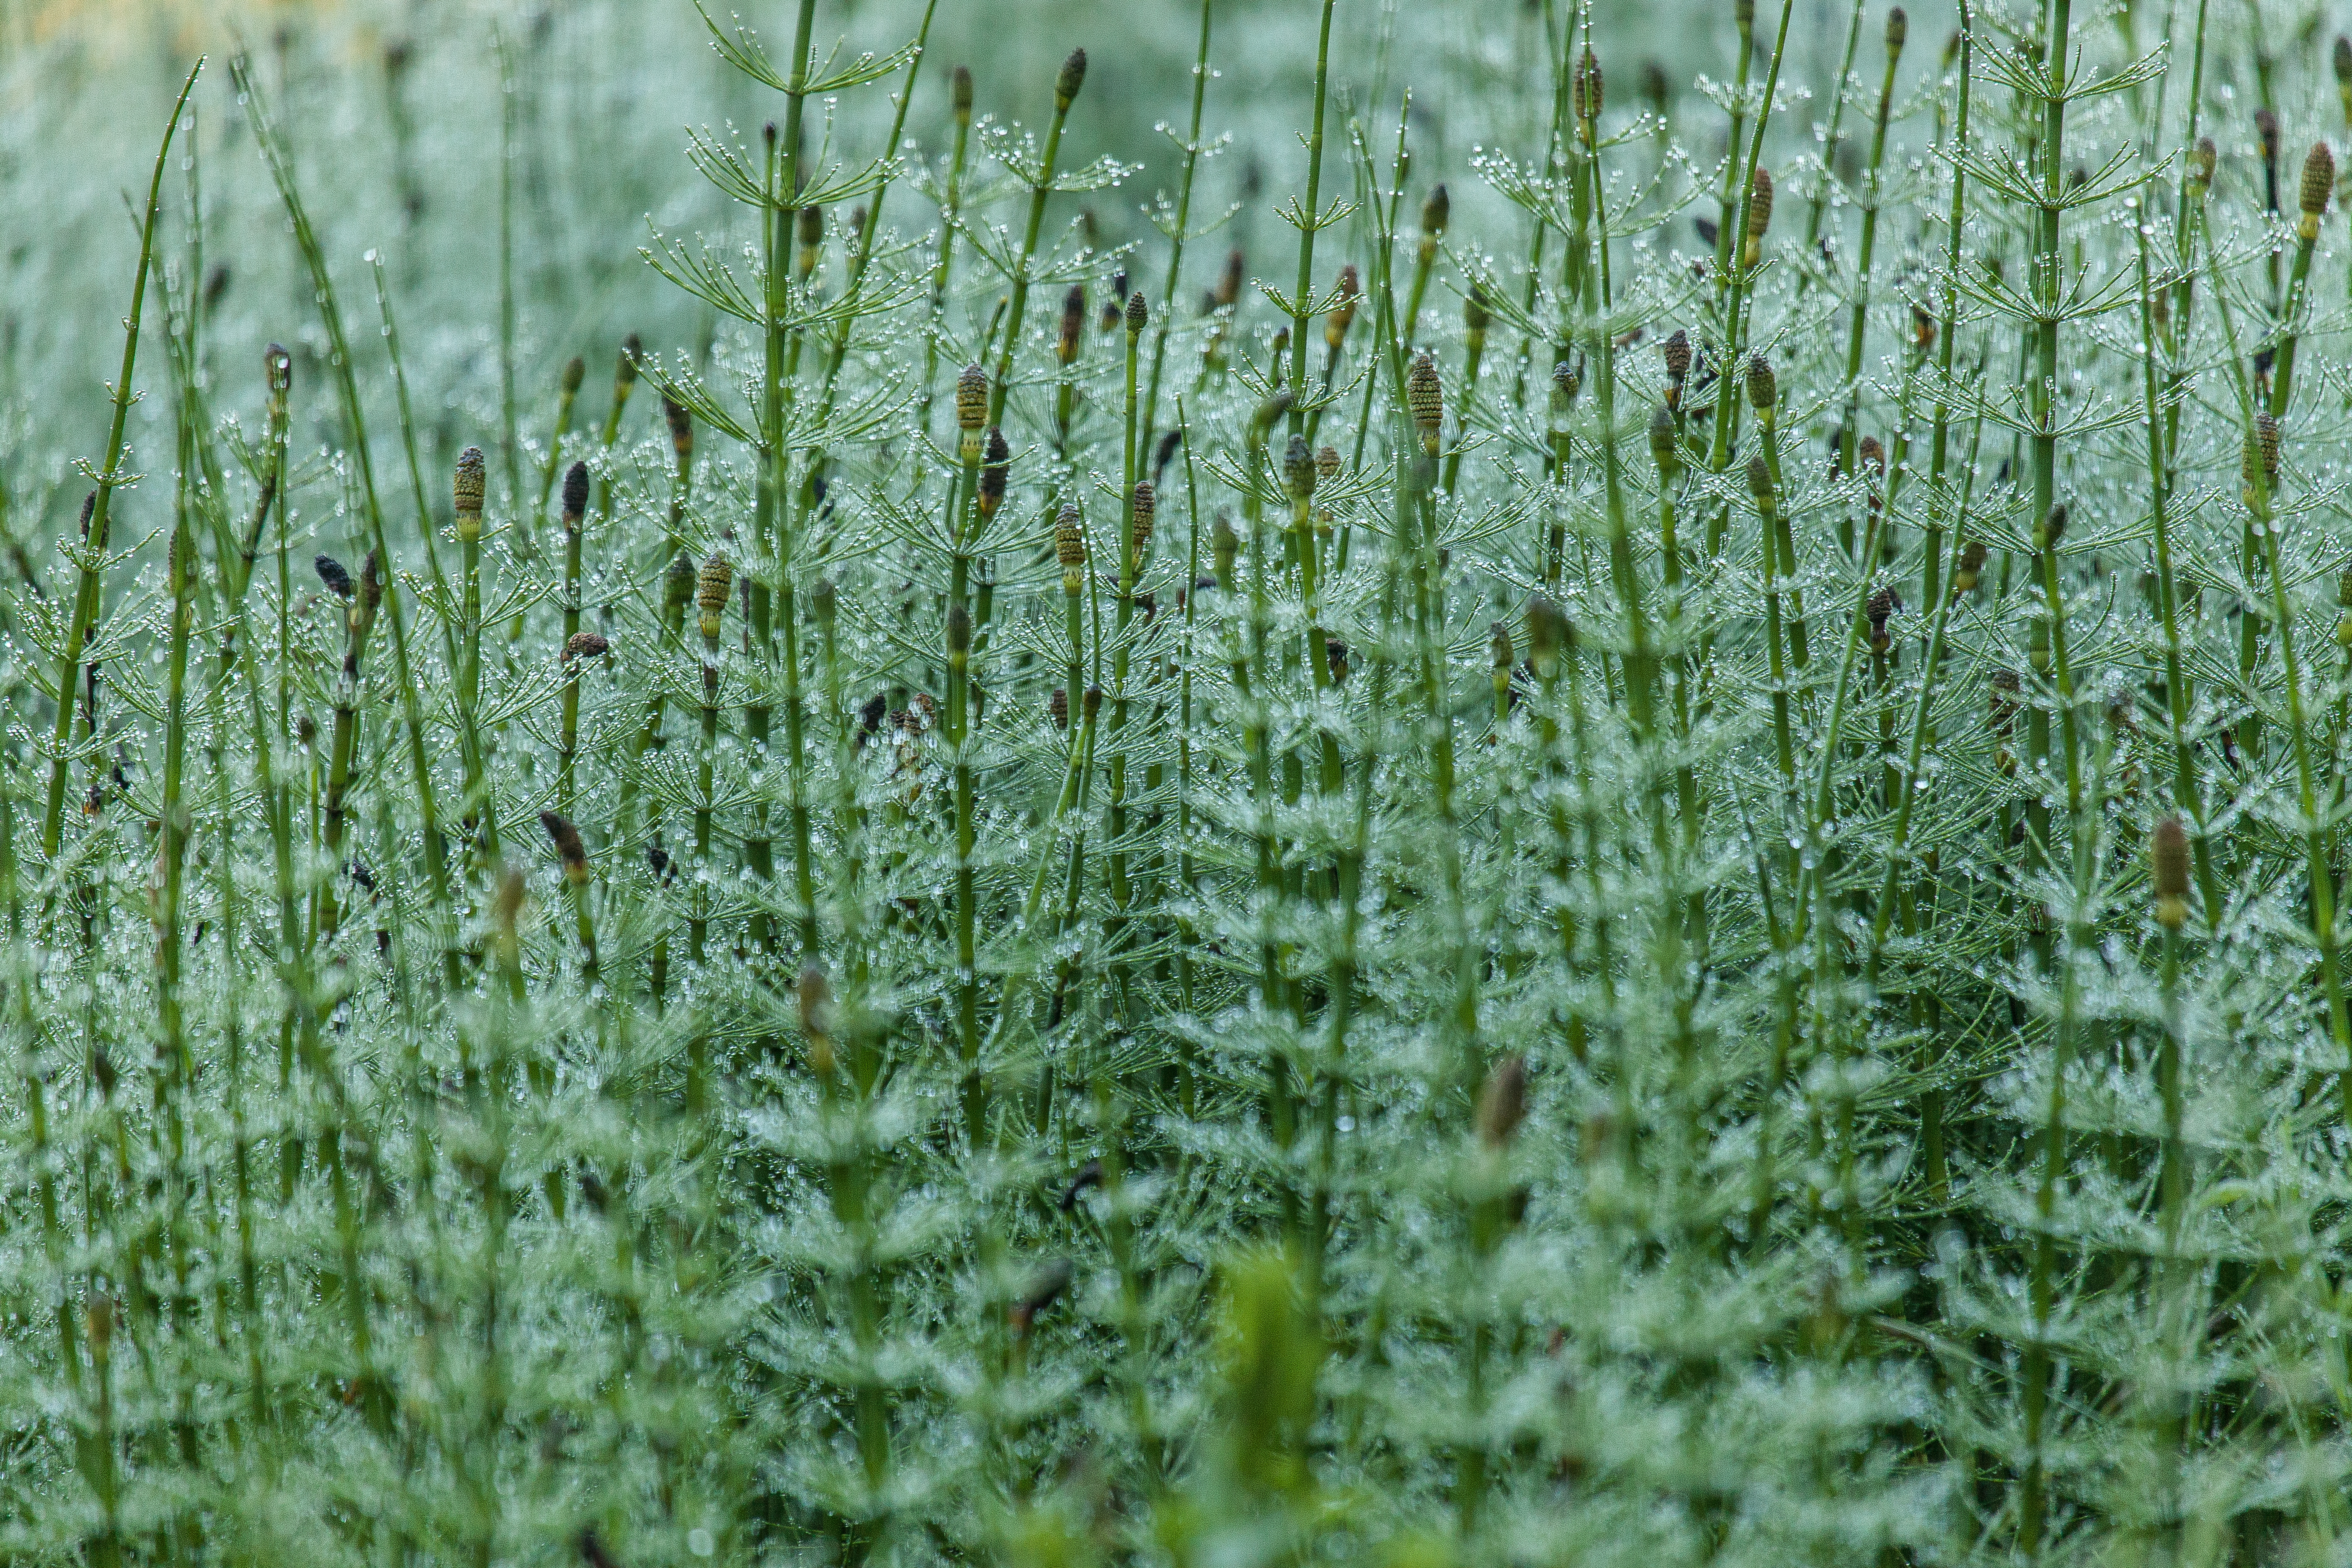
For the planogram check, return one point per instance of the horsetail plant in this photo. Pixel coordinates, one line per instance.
(1419, 985)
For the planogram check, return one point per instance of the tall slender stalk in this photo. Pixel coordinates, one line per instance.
(510, 405)
(2187, 796)
(1066, 83)
(340, 359)
(1308, 220)
(1830, 138)
(575, 518)
(98, 520)
(1178, 231)
(1857, 327)
(2262, 470)
(950, 216)
(1746, 234)
(2314, 190)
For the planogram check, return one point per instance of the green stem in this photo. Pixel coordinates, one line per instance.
(92, 557)
(1177, 235)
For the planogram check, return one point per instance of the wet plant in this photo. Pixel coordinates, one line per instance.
(1672, 895)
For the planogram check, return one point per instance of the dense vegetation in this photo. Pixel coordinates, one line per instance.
(1648, 873)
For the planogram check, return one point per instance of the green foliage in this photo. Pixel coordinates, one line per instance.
(1098, 935)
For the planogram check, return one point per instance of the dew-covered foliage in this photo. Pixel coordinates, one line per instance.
(1603, 829)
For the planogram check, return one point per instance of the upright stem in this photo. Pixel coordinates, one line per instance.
(92, 555)
(1178, 235)
(340, 359)
(1002, 383)
(2186, 794)
(1309, 219)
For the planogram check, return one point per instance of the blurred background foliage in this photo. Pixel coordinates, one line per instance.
(391, 110)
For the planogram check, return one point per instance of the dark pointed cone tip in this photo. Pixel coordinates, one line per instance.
(2170, 853)
(333, 573)
(576, 490)
(1662, 436)
(1503, 1102)
(1040, 1291)
(470, 480)
(1587, 87)
(1543, 626)
(972, 397)
(565, 837)
(1678, 356)
(1228, 282)
(506, 902)
(1299, 466)
(1425, 394)
(2168, 872)
(1880, 609)
(815, 994)
(712, 583)
(992, 476)
(1476, 313)
(2318, 180)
